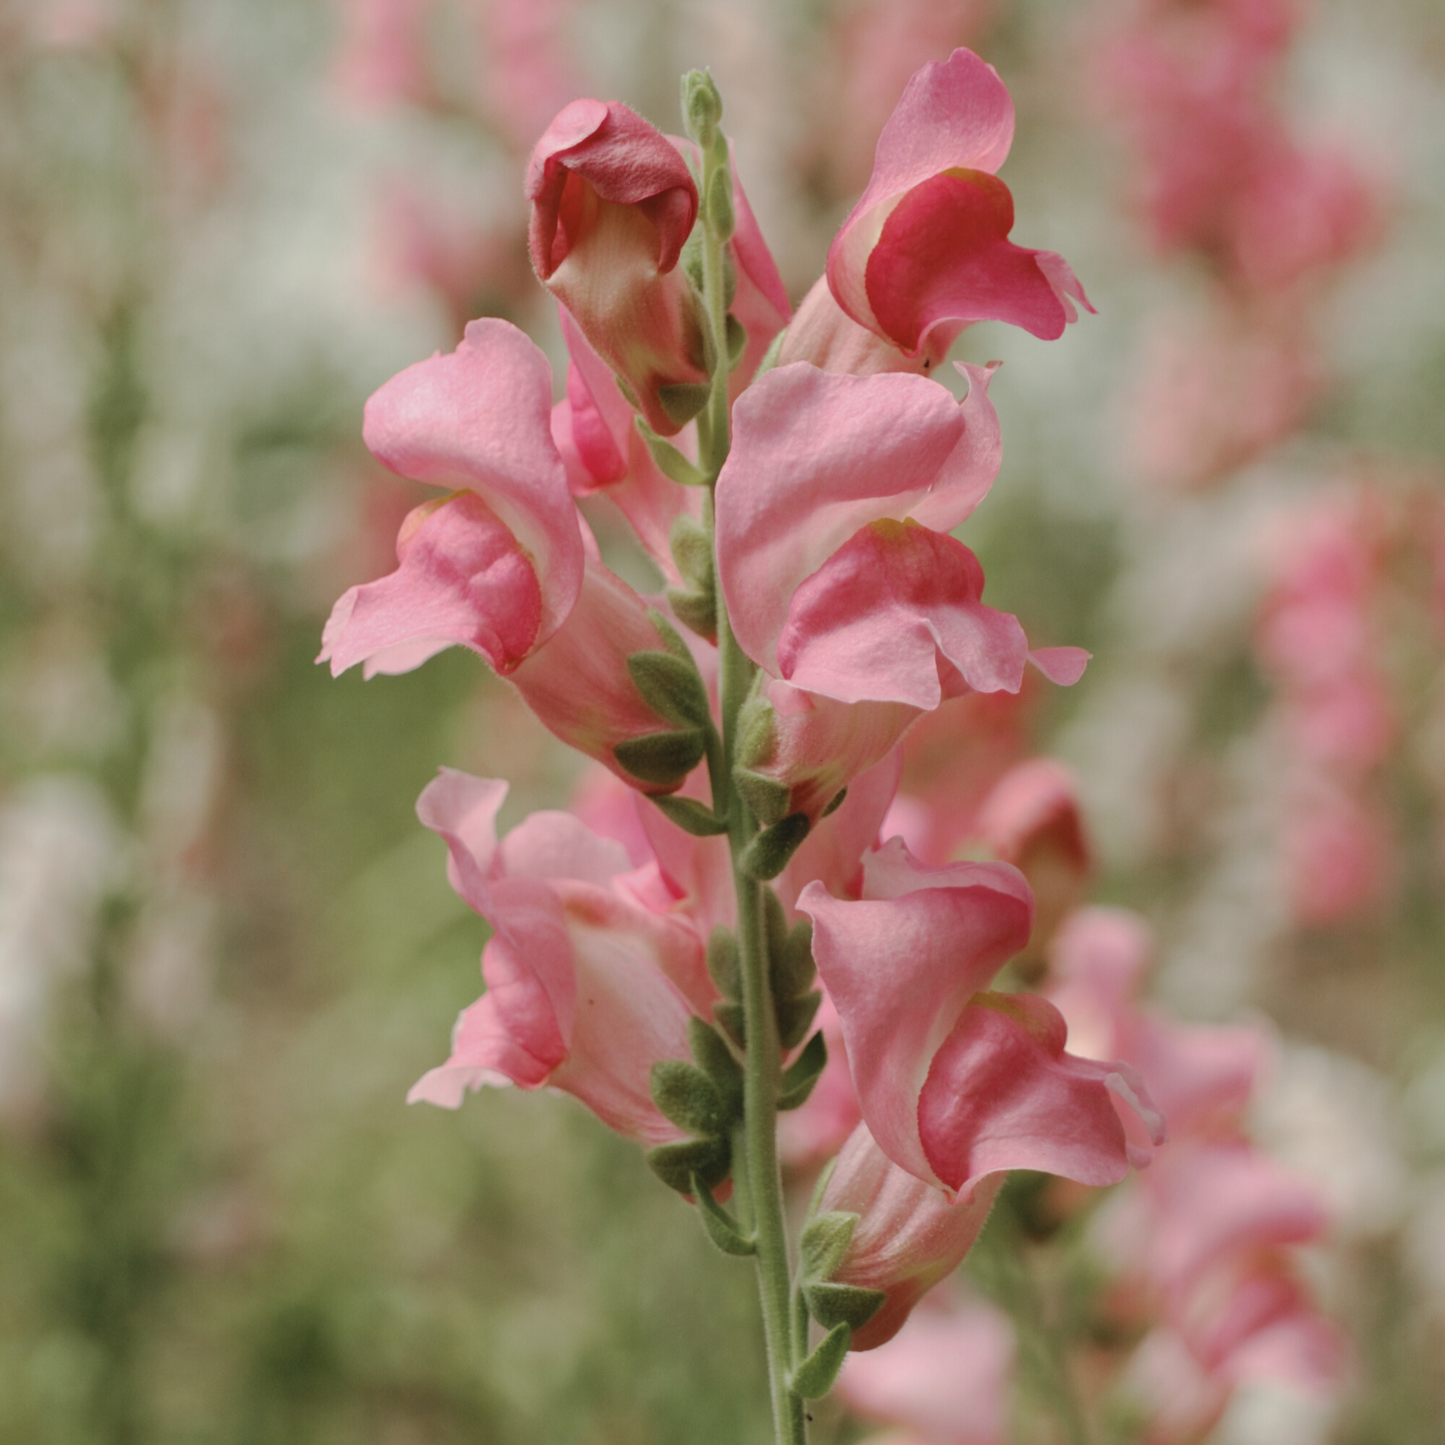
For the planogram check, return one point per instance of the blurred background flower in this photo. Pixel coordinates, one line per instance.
(227, 947)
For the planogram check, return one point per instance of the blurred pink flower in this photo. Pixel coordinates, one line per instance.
(526, 72)
(382, 59)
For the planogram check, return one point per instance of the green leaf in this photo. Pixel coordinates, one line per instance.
(814, 1377)
(722, 1228)
(676, 1164)
(730, 1015)
(671, 687)
(842, 1304)
(680, 402)
(737, 341)
(767, 855)
(671, 462)
(701, 106)
(690, 815)
(757, 731)
(687, 1096)
(722, 962)
(664, 759)
(692, 551)
(775, 922)
(696, 611)
(720, 214)
(800, 1076)
(794, 970)
(767, 798)
(834, 803)
(716, 1060)
(823, 1243)
(667, 634)
(795, 1017)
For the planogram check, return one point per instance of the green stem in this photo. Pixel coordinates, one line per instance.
(762, 1074)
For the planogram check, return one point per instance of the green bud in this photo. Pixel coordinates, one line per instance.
(671, 687)
(823, 1243)
(697, 611)
(767, 798)
(729, 1015)
(767, 855)
(842, 1304)
(723, 964)
(676, 1164)
(690, 815)
(814, 1377)
(721, 1227)
(795, 1017)
(670, 462)
(834, 803)
(794, 972)
(683, 400)
(690, 258)
(687, 1096)
(800, 1076)
(720, 204)
(716, 1060)
(663, 759)
(692, 551)
(701, 106)
(737, 341)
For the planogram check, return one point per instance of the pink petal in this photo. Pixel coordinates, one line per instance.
(888, 607)
(942, 258)
(900, 970)
(816, 456)
(480, 419)
(555, 845)
(463, 810)
(1063, 665)
(483, 1053)
(463, 579)
(953, 114)
(1003, 1094)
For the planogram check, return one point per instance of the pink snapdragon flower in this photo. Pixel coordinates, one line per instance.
(945, 1379)
(612, 203)
(833, 513)
(956, 1083)
(925, 252)
(587, 985)
(908, 1237)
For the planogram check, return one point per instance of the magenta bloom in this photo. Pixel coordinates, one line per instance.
(612, 203)
(833, 513)
(926, 248)
(908, 1237)
(587, 987)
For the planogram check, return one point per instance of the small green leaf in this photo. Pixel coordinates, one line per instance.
(767, 798)
(737, 341)
(695, 610)
(720, 214)
(671, 462)
(690, 815)
(701, 106)
(767, 855)
(686, 1096)
(667, 634)
(795, 1017)
(722, 962)
(814, 1377)
(691, 257)
(716, 1060)
(676, 1164)
(757, 731)
(692, 551)
(794, 971)
(722, 1228)
(775, 921)
(800, 1076)
(834, 803)
(823, 1243)
(842, 1304)
(664, 759)
(730, 1016)
(680, 402)
(671, 687)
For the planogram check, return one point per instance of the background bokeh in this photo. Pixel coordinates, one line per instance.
(226, 946)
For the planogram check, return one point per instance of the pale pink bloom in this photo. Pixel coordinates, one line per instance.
(612, 203)
(833, 513)
(1180, 1400)
(586, 988)
(925, 250)
(383, 57)
(1337, 850)
(909, 1234)
(946, 1377)
(956, 1083)
(526, 72)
